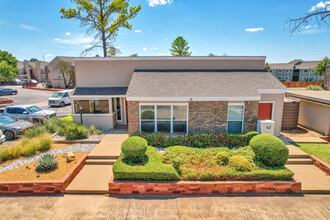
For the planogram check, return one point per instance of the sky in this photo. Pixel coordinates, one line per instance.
(34, 28)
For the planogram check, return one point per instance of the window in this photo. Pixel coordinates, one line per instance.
(287, 71)
(91, 106)
(235, 117)
(164, 117)
(279, 77)
(280, 71)
(312, 79)
(118, 109)
(304, 78)
(286, 78)
(305, 71)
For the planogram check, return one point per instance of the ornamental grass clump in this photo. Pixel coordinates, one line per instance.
(270, 150)
(134, 148)
(240, 163)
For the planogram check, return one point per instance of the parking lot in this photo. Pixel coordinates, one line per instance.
(36, 97)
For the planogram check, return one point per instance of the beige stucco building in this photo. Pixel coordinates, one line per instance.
(53, 75)
(177, 94)
(32, 70)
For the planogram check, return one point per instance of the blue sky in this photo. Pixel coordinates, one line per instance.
(34, 28)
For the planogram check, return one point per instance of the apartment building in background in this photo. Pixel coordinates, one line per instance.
(32, 70)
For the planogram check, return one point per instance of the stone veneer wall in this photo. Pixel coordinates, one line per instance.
(204, 117)
(133, 117)
(250, 116)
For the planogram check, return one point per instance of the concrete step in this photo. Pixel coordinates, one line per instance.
(101, 161)
(299, 156)
(299, 161)
(102, 156)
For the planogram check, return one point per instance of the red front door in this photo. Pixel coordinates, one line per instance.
(265, 111)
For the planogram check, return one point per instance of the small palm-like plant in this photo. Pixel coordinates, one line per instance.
(46, 163)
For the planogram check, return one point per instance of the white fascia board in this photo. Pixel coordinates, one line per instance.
(187, 99)
(170, 58)
(75, 97)
(272, 90)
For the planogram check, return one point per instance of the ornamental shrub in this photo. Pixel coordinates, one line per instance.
(134, 148)
(240, 163)
(222, 158)
(251, 134)
(270, 150)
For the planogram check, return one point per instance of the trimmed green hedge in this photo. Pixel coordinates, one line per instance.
(152, 170)
(270, 150)
(134, 147)
(202, 140)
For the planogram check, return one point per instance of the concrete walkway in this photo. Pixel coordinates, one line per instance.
(289, 140)
(95, 175)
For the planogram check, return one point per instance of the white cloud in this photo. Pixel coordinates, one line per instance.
(154, 3)
(308, 26)
(76, 40)
(117, 47)
(165, 39)
(56, 39)
(138, 31)
(88, 46)
(68, 33)
(254, 29)
(145, 49)
(154, 48)
(49, 55)
(30, 28)
(320, 5)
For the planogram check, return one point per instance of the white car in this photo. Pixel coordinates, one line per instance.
(61, 98)
(2, 137)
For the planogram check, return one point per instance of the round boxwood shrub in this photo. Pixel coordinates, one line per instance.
(134, 147)
(240, 163)
(270, 150)
(250, 135)
(222, 158)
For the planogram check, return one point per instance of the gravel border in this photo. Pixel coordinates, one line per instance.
(73, 148)
(90, 137)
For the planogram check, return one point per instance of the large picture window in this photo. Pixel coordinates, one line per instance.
(91, 106)
(164, 117)
(235, 118)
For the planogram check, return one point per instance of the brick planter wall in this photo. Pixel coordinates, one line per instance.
(198, 187)
(42, 186)
(320, 164)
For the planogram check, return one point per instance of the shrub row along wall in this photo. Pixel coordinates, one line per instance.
(197, 187)
(43, 187)
(320, 164)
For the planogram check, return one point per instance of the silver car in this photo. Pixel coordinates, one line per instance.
(13, 128)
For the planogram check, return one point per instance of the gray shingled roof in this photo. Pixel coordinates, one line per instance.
(224, 83)
(298, 64)
(100, 91)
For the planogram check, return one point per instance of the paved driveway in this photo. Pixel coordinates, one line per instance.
(36, 97)
(102, 207)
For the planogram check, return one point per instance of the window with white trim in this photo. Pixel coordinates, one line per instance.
(286, 78)
(287, 71)
(312, 78)
(164, 117)
(304, 78)
(279, 77)
(280, 71)
(305, 71)
(235, 118)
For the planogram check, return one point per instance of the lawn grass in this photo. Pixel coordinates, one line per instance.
(151, 170)
(321, 151)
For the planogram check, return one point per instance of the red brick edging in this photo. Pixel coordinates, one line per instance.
(207, 187)
(43, 186)
(320, 164)
(46, 89)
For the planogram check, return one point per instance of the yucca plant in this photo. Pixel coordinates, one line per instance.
(46, 163)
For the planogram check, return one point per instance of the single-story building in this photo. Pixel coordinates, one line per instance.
(177, 94)
(314, 109)
(55, 77)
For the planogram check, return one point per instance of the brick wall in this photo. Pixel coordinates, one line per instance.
(133, 116)
(250, 116)
(208, 117)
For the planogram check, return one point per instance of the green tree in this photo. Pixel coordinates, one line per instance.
(103, 19)
(8, 66)
(67, 71)
(33, 60)
(112, 52)
(267, 67)
(211, 55)
(134, 55)
(180, 47)
(322, 66)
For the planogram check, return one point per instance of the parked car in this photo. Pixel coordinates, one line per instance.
(60, 98)
(13, 128)
(17, 82)
(29, 83)
(7, 91)
(27, 112)
(2, 137)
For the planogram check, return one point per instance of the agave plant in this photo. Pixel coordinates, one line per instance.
(46, 163)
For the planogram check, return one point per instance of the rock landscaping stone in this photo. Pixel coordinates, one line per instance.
(73, 148)
(69, 157)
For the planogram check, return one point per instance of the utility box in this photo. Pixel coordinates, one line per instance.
(267, 127)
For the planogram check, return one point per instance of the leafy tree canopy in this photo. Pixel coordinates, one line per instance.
(8, 66)
(33, 60)
(67, 71)
(267, 67)
(103, 19)
(180, 47)
(322, 66)
(211, 55)
(134, 55)
(8, 58)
